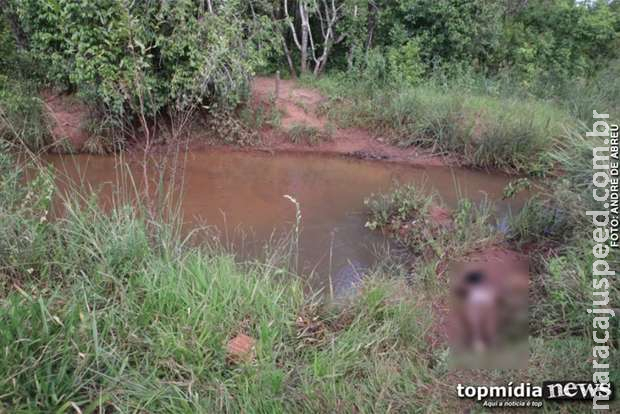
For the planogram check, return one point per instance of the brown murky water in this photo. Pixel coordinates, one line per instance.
(242, 193)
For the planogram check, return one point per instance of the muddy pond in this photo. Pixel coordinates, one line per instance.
(241, 195)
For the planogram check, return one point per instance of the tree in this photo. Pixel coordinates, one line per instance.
(324, 15)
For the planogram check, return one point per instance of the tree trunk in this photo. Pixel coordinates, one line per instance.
(372, 22)
(350, 58)
(287, 52)
(289, 58)
(352, 46)
(320, 63)
(305, 27)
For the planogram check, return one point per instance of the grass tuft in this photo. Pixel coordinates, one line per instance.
(484, 130)
(309, 135)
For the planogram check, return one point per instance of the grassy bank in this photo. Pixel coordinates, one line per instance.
(481, 130)
(492, 123)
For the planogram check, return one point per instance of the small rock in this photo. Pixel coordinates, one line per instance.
(241, 349)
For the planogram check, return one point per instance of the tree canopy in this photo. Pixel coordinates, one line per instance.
(151, 55)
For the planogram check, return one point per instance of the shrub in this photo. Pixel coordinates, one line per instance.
(405, 214)
(22, 117)
(557, 41)
(405, 63)
(142, 57)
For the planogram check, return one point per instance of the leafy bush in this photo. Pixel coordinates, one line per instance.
(558, 41)
(142, 57)
(22, 116)
(449, 33)
(405, 63)
(21, 111)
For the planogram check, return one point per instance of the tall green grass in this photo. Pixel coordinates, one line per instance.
(555, 224)
(488, 122)
(483, 130)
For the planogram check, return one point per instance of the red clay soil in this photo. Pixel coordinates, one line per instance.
(299, 106)
(440, 216)
(68, 117)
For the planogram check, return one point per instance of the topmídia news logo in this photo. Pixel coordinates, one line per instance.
(531, 395)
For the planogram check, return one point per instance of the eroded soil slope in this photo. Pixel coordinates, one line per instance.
(299, 106)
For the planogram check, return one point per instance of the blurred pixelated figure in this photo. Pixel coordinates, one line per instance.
(489, 302)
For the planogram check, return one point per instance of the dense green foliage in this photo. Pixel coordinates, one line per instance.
(448, 33)
(133, 62)
(141, 57)
(534, 41)
(560, 40)
(179, 52)
(139, 60)
(21, 112)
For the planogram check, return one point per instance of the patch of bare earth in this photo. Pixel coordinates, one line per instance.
(68, 117)
(299, 107)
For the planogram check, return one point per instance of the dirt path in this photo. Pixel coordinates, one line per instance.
(299, 107)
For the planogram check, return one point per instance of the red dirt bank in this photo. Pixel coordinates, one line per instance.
(68, 118)
(298, 107)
